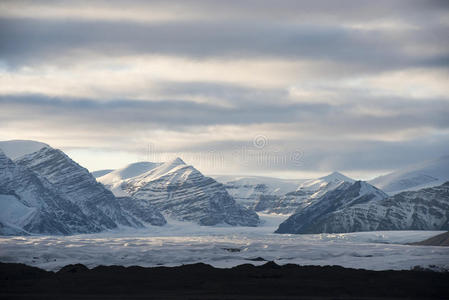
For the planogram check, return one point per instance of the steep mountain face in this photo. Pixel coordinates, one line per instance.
(30, 204)
(426, 209)
(181, 191)
(249, 190)
(306, 194)
(311, 218)
(427, 174)
(79, 186)
(143, 210)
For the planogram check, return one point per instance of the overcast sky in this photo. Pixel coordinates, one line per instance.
(281, 88)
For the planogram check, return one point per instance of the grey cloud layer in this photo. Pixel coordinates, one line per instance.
(34, 40)
(318, 118)
(320, 129)
(333, 121)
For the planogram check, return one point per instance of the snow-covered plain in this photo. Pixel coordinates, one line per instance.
(180, 243)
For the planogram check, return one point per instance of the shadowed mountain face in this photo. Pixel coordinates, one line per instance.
(181, 191)
(30, 204)
(426, 209)
(312, 218)
(45, 192)
(200, 281)
(79, 186)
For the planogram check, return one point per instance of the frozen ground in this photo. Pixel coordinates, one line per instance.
(183, 243)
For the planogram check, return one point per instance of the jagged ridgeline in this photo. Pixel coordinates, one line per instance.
(362, 207)
(43, 191)
(180, 191)
(46, 192)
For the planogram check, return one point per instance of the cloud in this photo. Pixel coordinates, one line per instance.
(332, 79)
(31, 41)
(331, 137)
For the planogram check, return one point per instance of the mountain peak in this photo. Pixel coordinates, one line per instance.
(17, 148)
(336, 176)
(176, 161)
(129, 171)
(170, 165)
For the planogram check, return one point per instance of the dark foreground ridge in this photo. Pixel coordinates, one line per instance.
(200, 281)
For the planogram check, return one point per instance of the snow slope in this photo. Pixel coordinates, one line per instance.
(426, 174)
(16, 148)
(131, 170)
(182, 192)
(100, 173)
(114, 179)
(329, 182)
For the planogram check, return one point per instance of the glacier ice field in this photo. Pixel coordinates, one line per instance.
(179, 243)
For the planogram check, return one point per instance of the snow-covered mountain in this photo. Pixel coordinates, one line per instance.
(306, 194)
(325, 183)
(17, 148)
(345, 194)
(247, 190)
(182, 192)
(79, 186)
(114, 179)
(427, 174)
(426, 209)
(30, 204)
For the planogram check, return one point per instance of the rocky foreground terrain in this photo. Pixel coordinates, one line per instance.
(200, 281)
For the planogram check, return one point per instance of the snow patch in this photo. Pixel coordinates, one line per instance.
(12, 211)
(17, 148)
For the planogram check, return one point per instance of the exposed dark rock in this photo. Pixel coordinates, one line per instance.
(200, 281)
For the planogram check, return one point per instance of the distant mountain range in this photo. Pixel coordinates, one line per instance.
(43, 191)
(247, 190)
(305, 194)
(418, 176)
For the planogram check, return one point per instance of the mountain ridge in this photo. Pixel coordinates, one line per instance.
(309, 219)
(181, 191)
(425, 209)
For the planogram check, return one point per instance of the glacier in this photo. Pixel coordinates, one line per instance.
(179, 243)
